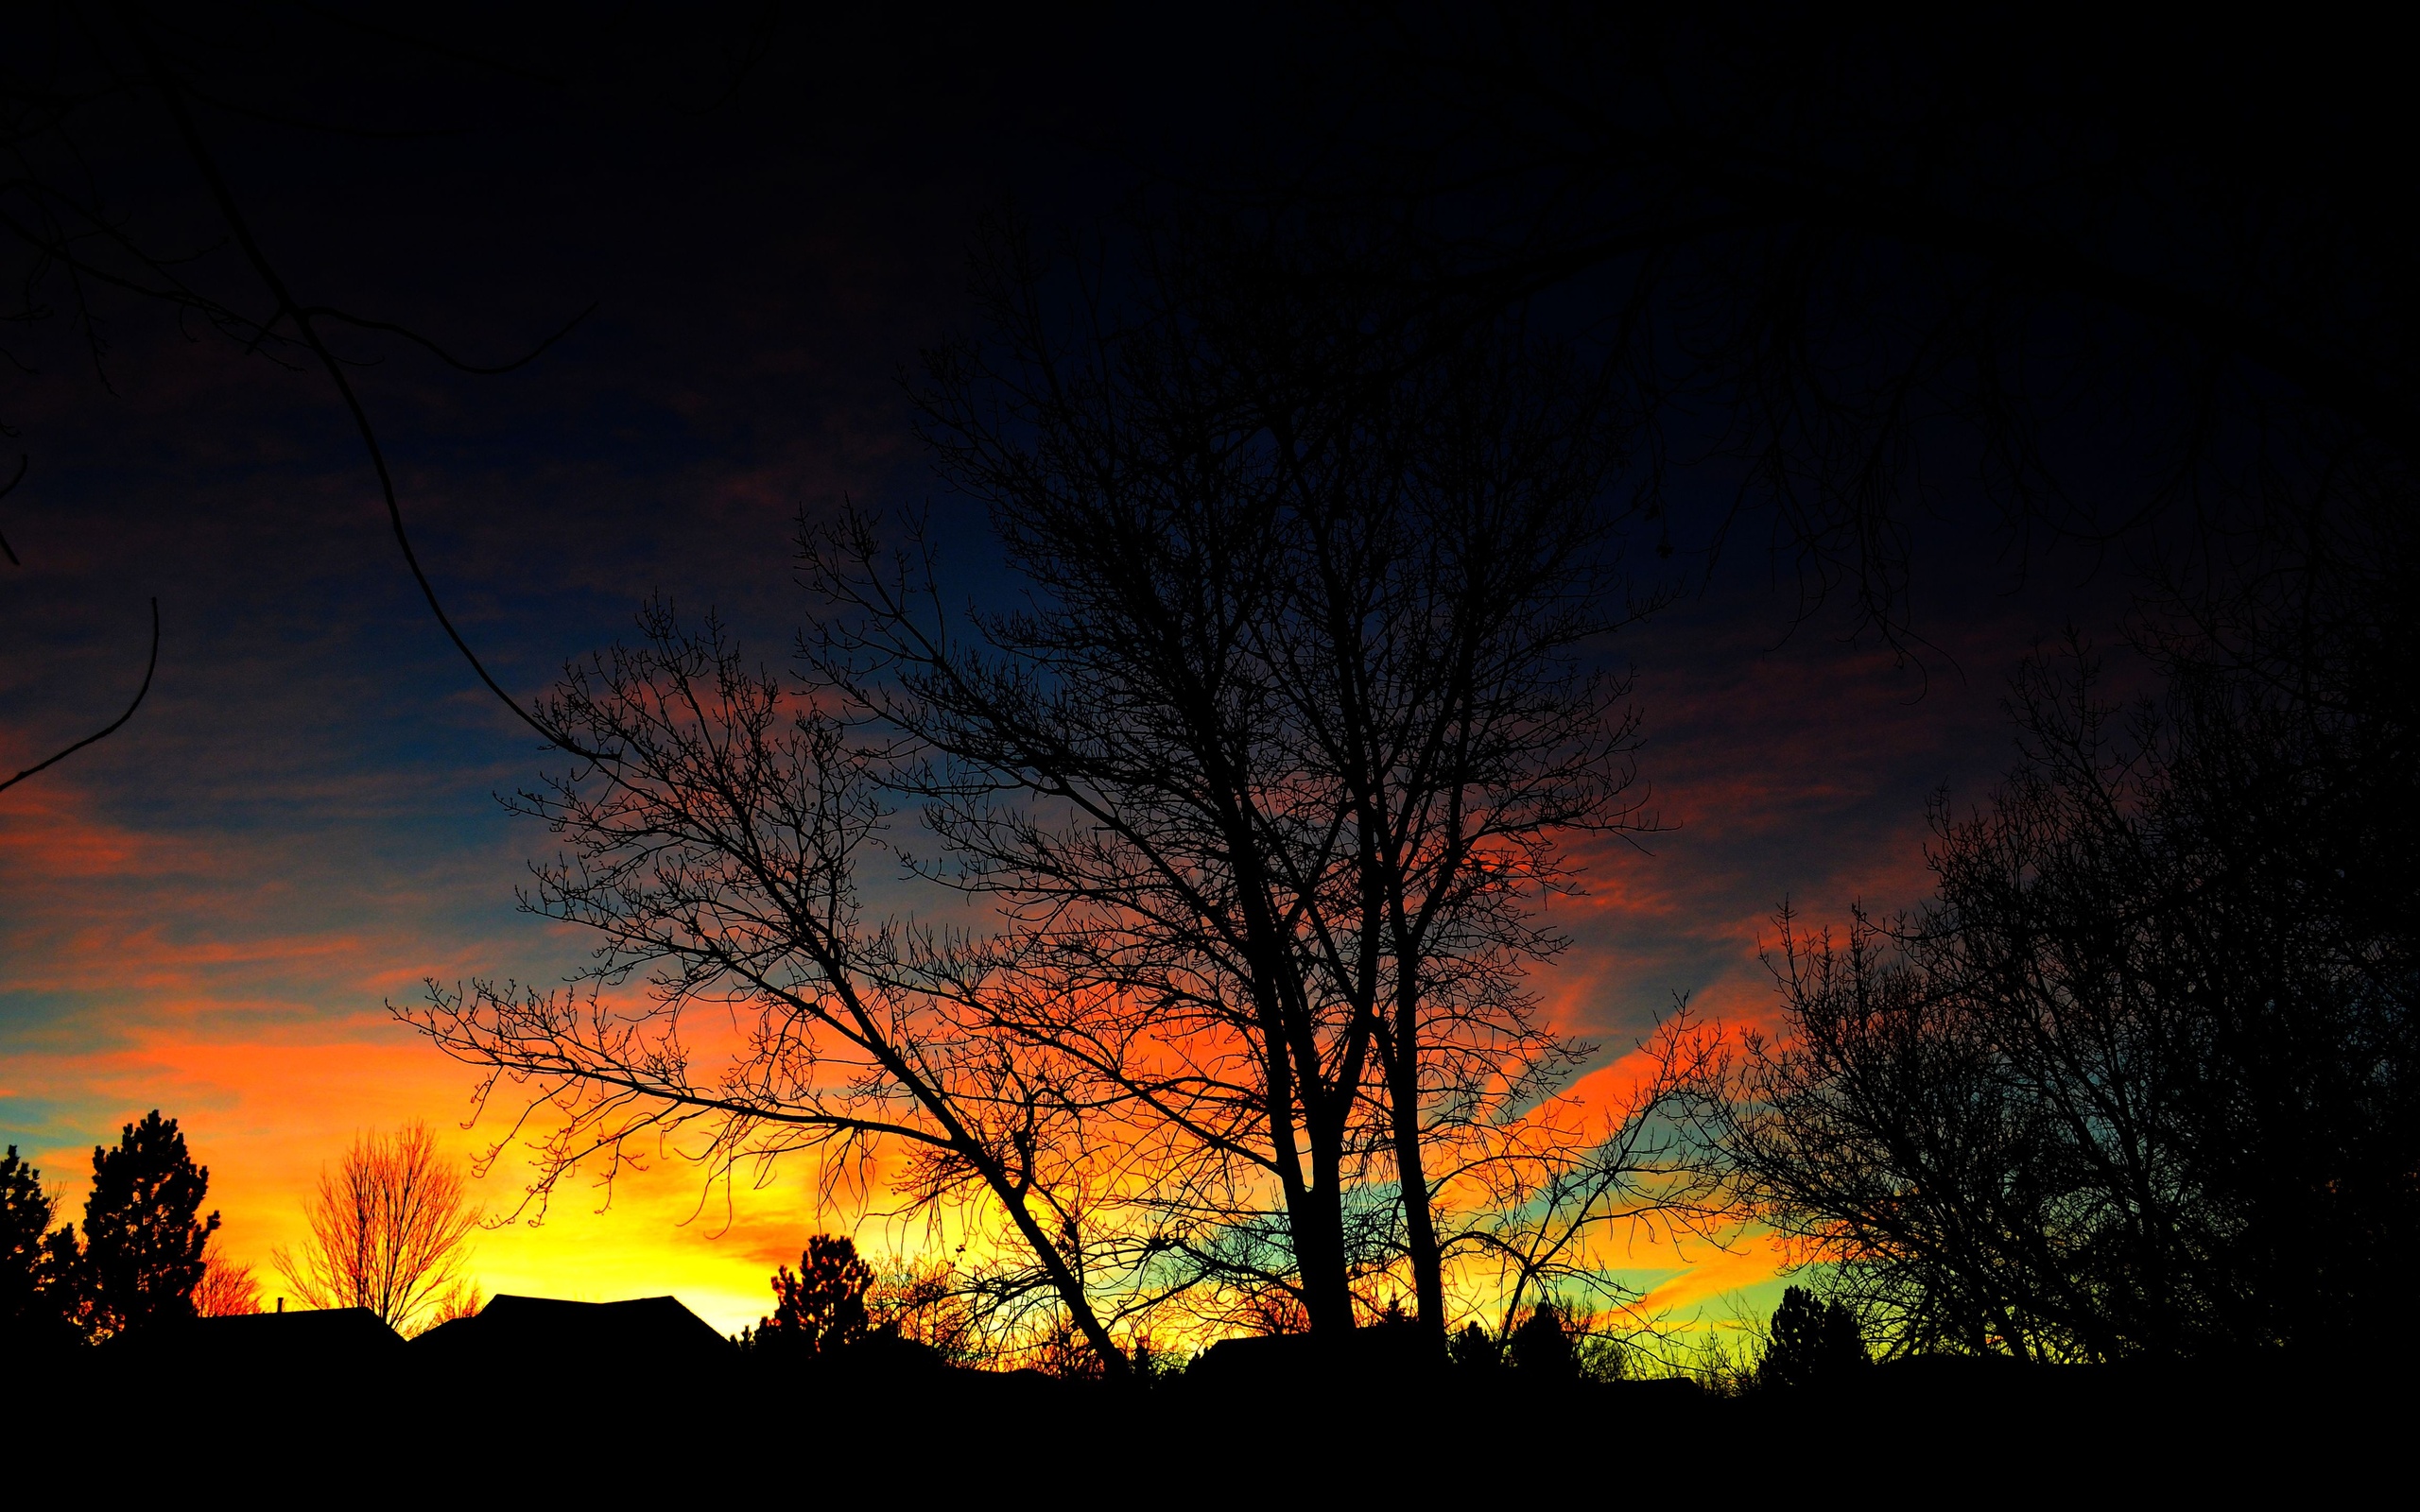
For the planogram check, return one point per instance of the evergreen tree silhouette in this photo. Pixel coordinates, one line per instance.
(25, 1218)
(1540, 1348)
(143, 1241)
(1475, 1349)
(37, 1293)
(1814, 1341)
(821, 1310)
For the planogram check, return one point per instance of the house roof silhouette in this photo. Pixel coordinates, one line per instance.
(543, 1330)
(302, 1339)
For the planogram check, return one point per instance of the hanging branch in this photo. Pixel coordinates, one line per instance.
(288, 308)
(111, 728)
(6, 488)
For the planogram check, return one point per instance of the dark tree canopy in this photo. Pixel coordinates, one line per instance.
(143, 1237)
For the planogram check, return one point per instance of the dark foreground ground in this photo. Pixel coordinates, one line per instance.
(620, 1429)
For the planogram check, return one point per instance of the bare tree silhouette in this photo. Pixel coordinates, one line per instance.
(926, 1303)
(721, 855)
(2137, 1081)
(1274, 773)
(391, 1230)
(228, 1288)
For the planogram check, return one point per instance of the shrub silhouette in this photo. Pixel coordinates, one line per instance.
(1814, 1341)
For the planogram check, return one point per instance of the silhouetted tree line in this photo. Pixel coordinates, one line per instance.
(389, 1234)
(1319, 485)
(138, 1260)
(837, 1316)
(1546, 1348)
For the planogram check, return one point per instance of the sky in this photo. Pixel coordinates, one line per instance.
(207, 912)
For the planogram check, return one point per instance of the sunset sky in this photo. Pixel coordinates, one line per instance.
(207, 912)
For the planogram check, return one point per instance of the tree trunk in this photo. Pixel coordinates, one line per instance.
(1069, 1286)
(1314, 1208)
(1319, 1235)
(1412, 1175)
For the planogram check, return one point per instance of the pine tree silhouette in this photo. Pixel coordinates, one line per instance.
(821, 1310)
(143, 1242)
(37, 1293)
(1540, 1348)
